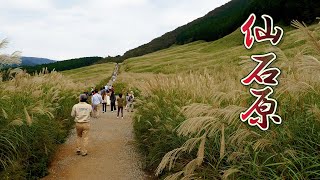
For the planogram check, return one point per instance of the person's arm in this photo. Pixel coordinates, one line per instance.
(73, 112)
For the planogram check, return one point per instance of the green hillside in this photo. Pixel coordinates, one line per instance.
(187, 121)
(226, 19)
(64, 65)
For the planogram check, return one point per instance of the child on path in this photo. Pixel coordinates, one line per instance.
(120, 102)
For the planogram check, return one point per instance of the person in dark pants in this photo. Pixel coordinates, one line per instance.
(120, 102)
(113, 101)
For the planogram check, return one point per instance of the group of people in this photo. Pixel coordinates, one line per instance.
(83, 111)
(107, 97)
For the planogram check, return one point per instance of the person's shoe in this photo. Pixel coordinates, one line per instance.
(78, 152)
(121, 117)
(117, 117)
(131, 111)
(84, 154)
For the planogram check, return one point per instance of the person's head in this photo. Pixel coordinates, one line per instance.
(96, 91)
(120, 95)
(83, 98)
(127, 94)
(103, 87)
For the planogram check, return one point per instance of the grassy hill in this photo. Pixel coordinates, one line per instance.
(192, 98)
(226, 19)
(90, 75)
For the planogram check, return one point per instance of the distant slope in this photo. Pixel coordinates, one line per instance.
(64, 65)
(32, 61)
(226, 19)
(214, 57)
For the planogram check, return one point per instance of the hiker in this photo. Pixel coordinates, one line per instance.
(120, 102)
(82, 112)
(127, 102)
(104, 101)
(130, 101)
(113, 101)
(103, 90)
(96, 100)
(108, 98)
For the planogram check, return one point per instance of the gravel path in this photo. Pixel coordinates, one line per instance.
(111, 153)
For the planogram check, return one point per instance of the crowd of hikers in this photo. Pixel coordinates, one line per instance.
(99, 98)
(107, 97)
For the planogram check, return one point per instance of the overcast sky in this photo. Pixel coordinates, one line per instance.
(64, 29)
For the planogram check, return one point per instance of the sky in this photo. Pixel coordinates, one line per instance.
(65, 29)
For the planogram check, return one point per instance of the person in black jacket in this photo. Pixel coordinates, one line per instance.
(113, 101)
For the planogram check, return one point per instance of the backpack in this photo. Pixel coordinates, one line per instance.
(130, 98)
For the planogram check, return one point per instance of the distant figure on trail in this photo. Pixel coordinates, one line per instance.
(96, 100)
(120, 102)
(104, 101)
(82, 112)
(113, 101)
(130, 101)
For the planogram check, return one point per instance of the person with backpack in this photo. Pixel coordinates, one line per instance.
(120, 102)
(130, 101)
(113, 101)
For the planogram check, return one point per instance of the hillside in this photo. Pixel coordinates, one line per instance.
(189, 119)
(64, 65)
(226, 19)
(33, 61)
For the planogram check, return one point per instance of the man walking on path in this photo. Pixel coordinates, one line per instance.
(81, 112)
(96, 100)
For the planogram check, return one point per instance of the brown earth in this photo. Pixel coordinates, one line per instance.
(111, 153)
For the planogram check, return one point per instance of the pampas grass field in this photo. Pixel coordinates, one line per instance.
(187, 124)
(35, 115)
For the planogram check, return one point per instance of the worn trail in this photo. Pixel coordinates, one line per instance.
(111, 154)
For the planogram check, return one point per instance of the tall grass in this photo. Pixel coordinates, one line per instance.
(34, 119)
(188, 125)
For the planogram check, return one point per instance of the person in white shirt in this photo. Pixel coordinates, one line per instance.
(96, 100)
(82, 112)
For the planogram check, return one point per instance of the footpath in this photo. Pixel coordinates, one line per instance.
(111, 152)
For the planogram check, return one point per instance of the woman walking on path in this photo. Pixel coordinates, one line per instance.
(113, 101)
(104, 102)
(120, 102)
(108, 98)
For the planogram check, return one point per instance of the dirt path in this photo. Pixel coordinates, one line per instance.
(111, 154)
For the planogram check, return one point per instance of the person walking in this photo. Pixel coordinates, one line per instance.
(113, 101)
(104, 101)
(130, 102)
(96, 100)
(127, 101)
(108, 98)
(120, 102)
(82, 112)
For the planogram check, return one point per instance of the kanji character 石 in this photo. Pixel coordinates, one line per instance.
(261, 74)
